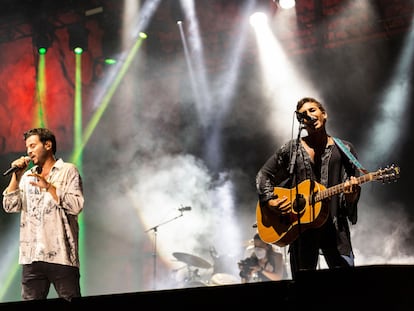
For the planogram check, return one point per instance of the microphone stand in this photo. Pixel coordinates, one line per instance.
(154, 252)
(299, 202)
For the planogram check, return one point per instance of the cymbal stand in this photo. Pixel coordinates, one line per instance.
(192, 275)
(154, 252)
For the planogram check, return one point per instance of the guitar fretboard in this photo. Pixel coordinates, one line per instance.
(340, 187)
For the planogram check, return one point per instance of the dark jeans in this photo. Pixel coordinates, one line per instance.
(38, 276)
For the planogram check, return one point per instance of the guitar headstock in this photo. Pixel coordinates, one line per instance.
(388, 174)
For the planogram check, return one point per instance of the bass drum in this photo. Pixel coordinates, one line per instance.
(223, 279)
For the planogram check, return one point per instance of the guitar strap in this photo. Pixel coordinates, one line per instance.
(348, 153)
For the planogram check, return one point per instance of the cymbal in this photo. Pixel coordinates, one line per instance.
(192, 260)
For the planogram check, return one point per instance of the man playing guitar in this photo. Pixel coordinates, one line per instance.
(319, 161)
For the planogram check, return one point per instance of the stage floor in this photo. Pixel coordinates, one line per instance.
(382, 287)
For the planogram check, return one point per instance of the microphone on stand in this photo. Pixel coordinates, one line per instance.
(185, 208)
(304, 116)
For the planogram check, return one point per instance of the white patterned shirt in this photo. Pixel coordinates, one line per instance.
(49, 229)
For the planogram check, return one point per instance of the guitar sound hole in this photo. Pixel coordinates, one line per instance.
(299, 203)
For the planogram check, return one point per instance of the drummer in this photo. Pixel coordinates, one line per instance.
(263, 264)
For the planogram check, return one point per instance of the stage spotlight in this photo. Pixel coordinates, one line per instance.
(268, 7)
(42, 42)
(78, 38)
(258, 18)
(110, 61)
(286, 4)
(43, 33)
(112, 34)
(78, 50)
(42, 50)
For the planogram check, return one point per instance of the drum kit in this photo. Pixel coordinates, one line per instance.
(193, 278)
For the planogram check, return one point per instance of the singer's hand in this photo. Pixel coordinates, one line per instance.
(40, 182)
(22, 164)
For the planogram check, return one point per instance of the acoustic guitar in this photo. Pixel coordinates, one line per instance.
(307, 210)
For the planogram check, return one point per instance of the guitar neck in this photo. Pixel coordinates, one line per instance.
(340, 187)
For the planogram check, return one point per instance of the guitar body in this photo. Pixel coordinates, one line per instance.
(283, 229)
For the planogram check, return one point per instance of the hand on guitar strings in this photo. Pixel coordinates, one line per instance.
(279, 205)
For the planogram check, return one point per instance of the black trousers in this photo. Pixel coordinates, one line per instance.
(305, 250)
(37, 278)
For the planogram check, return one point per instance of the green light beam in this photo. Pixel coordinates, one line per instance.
(41, 91)
(77, 143)
(107, 98)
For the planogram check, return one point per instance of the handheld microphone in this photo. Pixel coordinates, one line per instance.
(13, 169)
(304, 116)
(185, 208)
